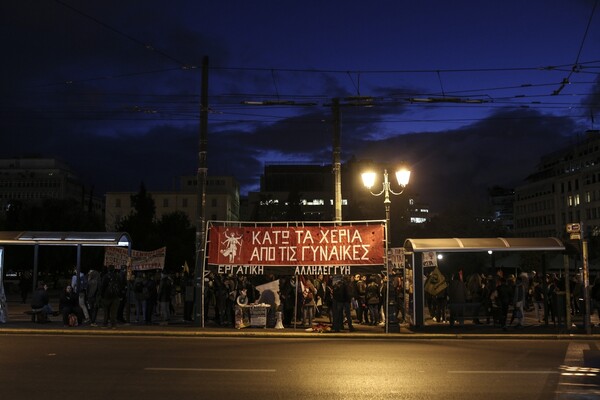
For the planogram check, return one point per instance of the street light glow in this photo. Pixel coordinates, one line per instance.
(403, 176)
(368, 179)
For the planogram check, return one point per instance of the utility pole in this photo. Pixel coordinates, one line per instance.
(201, 203)
(337, 166)
(587, 323)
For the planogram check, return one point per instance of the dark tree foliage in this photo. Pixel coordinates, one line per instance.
(177, 234)
(173, 231)
(141, 224)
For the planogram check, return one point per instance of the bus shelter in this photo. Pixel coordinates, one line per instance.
(416, 248)
(36, 239)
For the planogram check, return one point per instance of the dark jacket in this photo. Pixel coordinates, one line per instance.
(110, 280)
(68, 301)
(372, 293)
(40, 298)
(457, 292)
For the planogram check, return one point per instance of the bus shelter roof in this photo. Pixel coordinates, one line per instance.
(483, 244)
(102, 239)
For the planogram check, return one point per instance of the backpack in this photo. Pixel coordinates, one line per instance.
(92, 287)
(73, 320)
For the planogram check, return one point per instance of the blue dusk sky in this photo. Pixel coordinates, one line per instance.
(472, 90)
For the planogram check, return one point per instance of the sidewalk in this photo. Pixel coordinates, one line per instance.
(20, 322)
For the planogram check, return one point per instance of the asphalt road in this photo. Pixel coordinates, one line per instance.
(116, 367)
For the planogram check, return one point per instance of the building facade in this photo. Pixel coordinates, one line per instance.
(564, 189)
(30, 181)
(222, 201)
(299, 192)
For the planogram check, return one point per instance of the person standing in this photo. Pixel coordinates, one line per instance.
(549, 299)
(79, 285)
(348, 297)
(138, 294)
(372, 298)
(150, 294)
(538, 298)
(25, 285)
(164, 298)
(110, 293)
(457, 296)
(188, 298)
(93, 295)
(504, 298)
(518, 302)
(308, 303)
(338, 294)
(360, 289)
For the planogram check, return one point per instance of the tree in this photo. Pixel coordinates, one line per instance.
(177, 234)
(141, 224)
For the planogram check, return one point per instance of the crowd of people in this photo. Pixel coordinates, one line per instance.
(503, 300)
(142, 297)
(148, 297)
(342, 301)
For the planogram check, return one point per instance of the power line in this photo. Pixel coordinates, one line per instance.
(146, 46)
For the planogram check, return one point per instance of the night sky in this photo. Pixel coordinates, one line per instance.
(113, 87)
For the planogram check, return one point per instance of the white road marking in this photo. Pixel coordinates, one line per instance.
(503, 372)
(209, 369)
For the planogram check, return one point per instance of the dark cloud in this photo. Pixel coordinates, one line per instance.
(460, 165)
(113, 88)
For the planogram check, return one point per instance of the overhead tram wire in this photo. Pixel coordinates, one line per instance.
(183, 66)
(575, 67)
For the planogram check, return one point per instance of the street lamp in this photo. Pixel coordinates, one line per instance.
(403, 176)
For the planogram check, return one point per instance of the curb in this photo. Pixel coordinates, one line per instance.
(295, 335)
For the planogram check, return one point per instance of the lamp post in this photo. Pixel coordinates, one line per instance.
(403, 176)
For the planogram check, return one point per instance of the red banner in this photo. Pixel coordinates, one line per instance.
(293, 246)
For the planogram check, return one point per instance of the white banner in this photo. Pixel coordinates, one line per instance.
(272, 287)
(140, 260)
